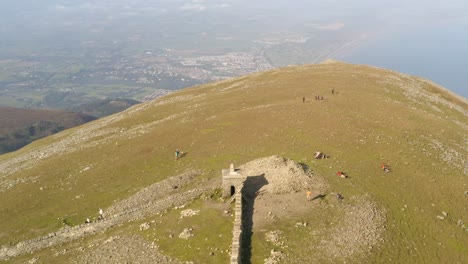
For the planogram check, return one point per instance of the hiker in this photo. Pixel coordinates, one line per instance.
(321, 97)
(333, 91)
(318, 155)
(385, 167)
(339, 197)
(177, 153)
(309, 196)
(341, 174)
(303, 99)
(100, 214)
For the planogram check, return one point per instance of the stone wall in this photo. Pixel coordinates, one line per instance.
(67, 234)
(233, 180)
(237, 231)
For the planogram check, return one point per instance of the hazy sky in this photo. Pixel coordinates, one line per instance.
(383, 10)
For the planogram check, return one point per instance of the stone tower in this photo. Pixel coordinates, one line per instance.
(232, 179)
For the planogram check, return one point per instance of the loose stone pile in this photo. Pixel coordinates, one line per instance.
(361, 229)
(283, 175)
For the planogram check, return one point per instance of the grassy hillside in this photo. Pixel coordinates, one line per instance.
(19, 127)
(104, 107)
(375, 116)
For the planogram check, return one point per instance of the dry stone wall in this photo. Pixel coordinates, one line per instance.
(237, 231)
(67, 234)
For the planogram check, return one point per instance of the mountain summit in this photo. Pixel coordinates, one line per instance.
(158, 209)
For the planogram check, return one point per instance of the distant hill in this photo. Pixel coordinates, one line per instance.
(159, 209)
(19, 127)
(105, 107)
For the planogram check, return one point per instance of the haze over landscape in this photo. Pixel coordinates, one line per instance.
(60, 53)
(233, 131)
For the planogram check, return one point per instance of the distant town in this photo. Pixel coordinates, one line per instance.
(152, 68)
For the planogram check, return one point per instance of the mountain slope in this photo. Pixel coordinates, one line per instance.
(104, 107)
(374, 116)
(19, 127)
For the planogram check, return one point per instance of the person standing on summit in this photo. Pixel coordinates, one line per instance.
(177, 152)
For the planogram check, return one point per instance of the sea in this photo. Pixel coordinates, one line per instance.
(436, 51)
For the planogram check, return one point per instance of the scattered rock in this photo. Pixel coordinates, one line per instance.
(187, 233)
(440, 217)
(188, 212)
(144, 226)
(444, 213)
(361, 228)
(110, 239)
(147, 200)
(62, 252)
(274, 238)
(283, 175)
(275, 257)
(124, 249)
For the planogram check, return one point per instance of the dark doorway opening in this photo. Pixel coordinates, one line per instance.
(233, 190)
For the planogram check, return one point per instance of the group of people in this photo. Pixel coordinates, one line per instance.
(320, 155)
(342, 174)
(385, 167)
(318, 97)
(100, 217)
